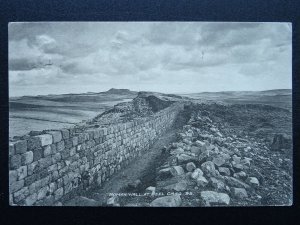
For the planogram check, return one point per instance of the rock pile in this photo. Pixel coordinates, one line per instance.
(209, 164)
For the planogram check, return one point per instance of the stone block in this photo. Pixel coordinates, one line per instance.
(22, 172)
(68, 143)
(56, 135)
(15, 186)
(56, 158)
(75, 141)
(13, 176)
(37, 154)
(46, 139)
(58, 193)
(20, 146)
(27, 158)
(32, 168)
(21, 194)
(65, 133)
(42, 192)
(60, 146)
(15, 162)
(31, 199)
(31, 179)
(45, 162)
(47, 150)
(34, 143)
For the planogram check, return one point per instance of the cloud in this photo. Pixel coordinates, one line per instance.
(137, 54)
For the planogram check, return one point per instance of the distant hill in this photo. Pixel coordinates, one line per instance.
(116, 91)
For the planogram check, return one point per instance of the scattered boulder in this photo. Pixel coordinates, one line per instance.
(209, 169)
(224, 171)
(214, 198)
(233, 182)
(253, 181)
(177, 171)
(184, 158)
(239, 193)
(217, 184)
(201, 181)
(190, 166)
(197, 172)
(240, 175)
(167, 201)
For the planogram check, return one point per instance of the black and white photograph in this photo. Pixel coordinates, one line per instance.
(150, 114)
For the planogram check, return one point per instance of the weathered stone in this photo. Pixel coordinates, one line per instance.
(65, 133)
(183, 158)
(13, 176)
(190, 166)
(34, 143)
(195, 150)
(176, 151)
(177, 171)
(31, 199)
(164, 173)
(46, 139)
(217, 184)
(233, 182)
(47, 150)
(197, 172)
(27, 158)
(15, 186)
(209, 169)
(201, 181)
(21, 194)
(253, 181)
(240, 175)
(224, 171)
(15, 162)
(214, 198)
(167, 201)
(21, 146)
(281, 141)
(22, 172)
(37, 154)
(59, 193)
(239, 193)
(32, 167)
(42, 192)
(60, 146)
(56, 135)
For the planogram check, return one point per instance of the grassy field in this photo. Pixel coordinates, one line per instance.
(29, 113)
(278, 98)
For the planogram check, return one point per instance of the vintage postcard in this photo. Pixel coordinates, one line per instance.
(150, 114)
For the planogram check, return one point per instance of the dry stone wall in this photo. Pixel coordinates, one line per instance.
(48, 168)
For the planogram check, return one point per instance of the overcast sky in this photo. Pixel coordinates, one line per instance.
(170, 57)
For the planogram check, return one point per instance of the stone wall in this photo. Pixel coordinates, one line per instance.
(50, 167)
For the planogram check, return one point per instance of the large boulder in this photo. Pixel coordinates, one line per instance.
(201, 181)
(184, 158)
(167, 201)
(197, 172)
(214, 198)
(180, 186)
